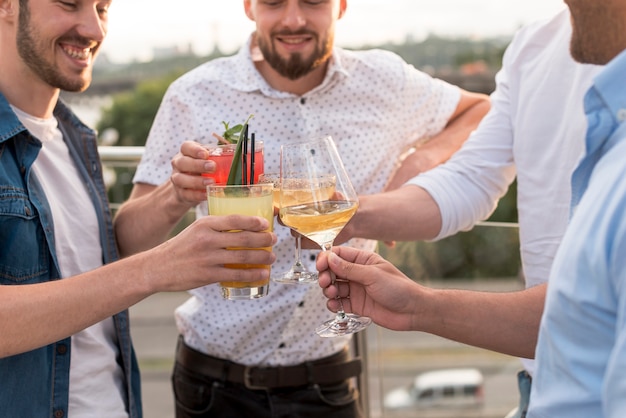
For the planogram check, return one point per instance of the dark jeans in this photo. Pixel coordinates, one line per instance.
(200, 396)
(524, 382)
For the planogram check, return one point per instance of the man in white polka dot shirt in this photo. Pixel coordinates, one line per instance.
(262, 358)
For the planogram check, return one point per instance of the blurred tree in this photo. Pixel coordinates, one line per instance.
(131, 113)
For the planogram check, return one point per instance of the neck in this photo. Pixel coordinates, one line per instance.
(26, 91)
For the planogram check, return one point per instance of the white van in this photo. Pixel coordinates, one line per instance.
(449, 387)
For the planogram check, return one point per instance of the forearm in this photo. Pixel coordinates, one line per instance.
(35, 315)
(439, 148)
(503, 322)
(148, 217)
(405, 214)
(32, 316)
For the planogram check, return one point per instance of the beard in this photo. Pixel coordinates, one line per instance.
(32, 49)
(583, 48)
(597, 34)
(296, 65)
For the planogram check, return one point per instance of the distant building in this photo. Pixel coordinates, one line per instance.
(159, 53)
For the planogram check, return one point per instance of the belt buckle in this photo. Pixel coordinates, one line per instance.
(247, 379)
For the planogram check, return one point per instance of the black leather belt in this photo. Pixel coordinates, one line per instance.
(333, 369)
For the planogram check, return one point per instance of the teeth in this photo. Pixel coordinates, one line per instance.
(78, 53)
(294, 41)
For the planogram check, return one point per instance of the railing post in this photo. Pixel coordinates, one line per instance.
(359, 349)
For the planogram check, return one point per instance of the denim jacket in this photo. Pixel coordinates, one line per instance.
(36, 383)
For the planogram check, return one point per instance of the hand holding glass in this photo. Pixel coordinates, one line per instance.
(252, 200)
(321, 217)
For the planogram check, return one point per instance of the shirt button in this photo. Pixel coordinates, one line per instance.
(27, 210)
(61, 349)
(313, 257)
(621, 115)
(59, 413)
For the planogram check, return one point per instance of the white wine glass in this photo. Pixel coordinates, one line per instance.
(298, 273)
(322, 215)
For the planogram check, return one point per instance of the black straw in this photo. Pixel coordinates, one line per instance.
(252, 158)
(245, 156)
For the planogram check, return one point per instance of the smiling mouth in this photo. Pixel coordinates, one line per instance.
(294, 40)
(76, 52)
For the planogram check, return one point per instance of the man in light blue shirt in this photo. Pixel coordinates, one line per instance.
(581, 353)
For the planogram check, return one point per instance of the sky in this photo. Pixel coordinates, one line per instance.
(136, 27)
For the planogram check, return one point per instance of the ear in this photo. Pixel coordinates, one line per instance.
(343, 5)
(8, 8)
(247, 6)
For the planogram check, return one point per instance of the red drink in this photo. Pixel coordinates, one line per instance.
(222, 155)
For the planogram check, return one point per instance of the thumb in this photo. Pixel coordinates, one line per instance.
(343, 269)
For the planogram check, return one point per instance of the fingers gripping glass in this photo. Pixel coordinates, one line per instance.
(318, 208)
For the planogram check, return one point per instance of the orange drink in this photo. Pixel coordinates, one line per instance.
(252, 200)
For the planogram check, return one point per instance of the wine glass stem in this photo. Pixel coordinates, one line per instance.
(298, 250)
(340, 316)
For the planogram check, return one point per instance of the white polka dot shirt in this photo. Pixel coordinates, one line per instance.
(372, 103)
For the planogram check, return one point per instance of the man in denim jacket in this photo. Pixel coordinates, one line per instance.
(65, 346)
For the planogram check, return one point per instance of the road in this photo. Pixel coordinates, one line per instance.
(394, 359)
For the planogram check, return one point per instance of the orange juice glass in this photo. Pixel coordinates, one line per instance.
(252, 200)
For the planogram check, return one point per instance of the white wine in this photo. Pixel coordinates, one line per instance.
(319, 221)
(299, 196)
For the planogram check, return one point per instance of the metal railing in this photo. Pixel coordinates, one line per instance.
(120, 156)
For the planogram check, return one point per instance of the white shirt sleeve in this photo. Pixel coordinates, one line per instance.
(467, 187)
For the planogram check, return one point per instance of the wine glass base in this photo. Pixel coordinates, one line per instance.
(343, 324)
(296, 277)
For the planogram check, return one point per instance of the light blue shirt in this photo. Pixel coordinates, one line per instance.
(581, 353)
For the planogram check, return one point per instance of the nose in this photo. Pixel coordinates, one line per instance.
(293, 16)
(94, 23)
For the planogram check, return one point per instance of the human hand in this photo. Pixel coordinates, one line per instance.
(368, 286)
(187, 168)
(197, 255)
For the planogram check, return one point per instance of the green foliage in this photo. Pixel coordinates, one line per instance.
(132, 112)
(485, 252)
(237, 133)
(439, 53)
(233, 134)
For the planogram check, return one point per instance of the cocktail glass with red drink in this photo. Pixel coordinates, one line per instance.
(223, 155)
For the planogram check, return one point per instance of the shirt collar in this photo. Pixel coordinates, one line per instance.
(10, 125)
(249, 79)
(610, 87)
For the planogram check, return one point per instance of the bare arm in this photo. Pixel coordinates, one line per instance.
(405, 214)
(35, 315)
(469, 112)
(409, 213)
(151, 212)
(505, 322)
